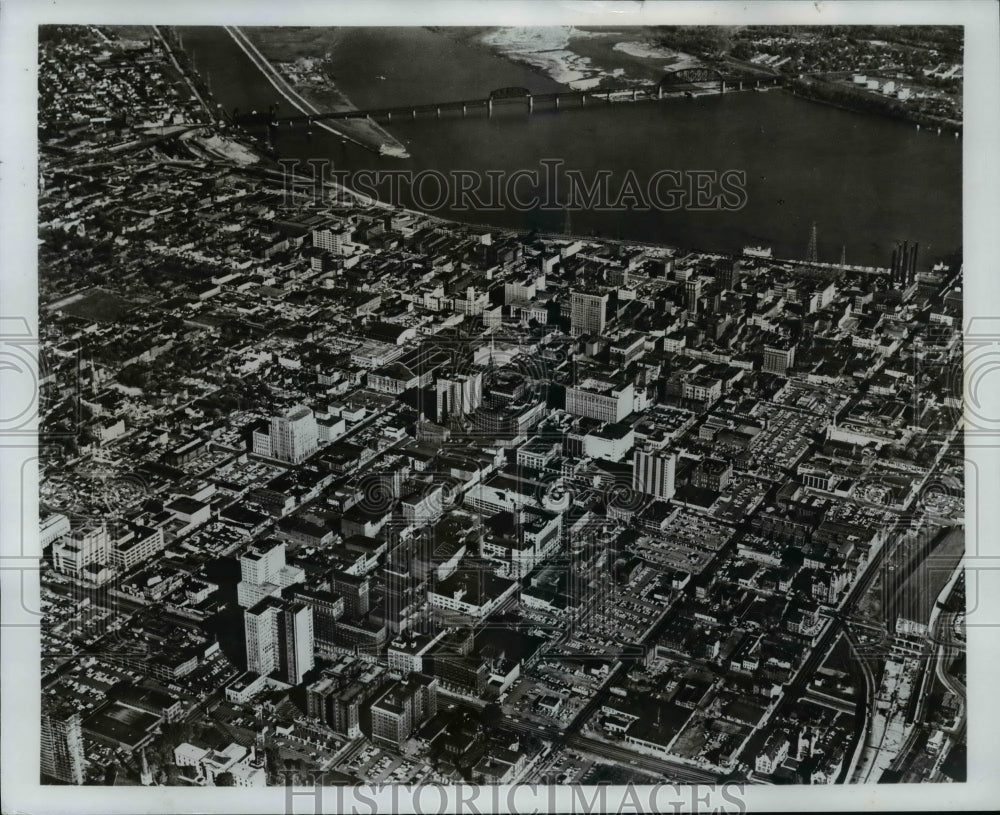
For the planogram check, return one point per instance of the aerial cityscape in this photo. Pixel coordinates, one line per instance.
(338, 483)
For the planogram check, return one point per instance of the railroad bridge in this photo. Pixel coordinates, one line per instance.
(684, 80)
(682, 77)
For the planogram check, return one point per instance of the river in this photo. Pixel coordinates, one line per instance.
(866, 181)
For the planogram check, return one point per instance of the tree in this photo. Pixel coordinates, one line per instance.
(490, 717)
(742, 50)
(225, 780)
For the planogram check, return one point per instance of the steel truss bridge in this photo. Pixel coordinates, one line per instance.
(687, 80)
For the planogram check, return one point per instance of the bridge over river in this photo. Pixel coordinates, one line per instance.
(686, 80)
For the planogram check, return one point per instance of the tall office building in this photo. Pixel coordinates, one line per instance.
(402, 596)
(692, 293)
(62, 753)
(327, 610)
(265, 573)
(88, 546)
(588, 313)
(296, 642)
(294, 435)
(459, 395)
(338, 703)
(778, 359)
(653, 473)
(355, 591)
(728, 273)
(402, 708)
(605, 401)
(279, 637)
(319, 695)
(261, 631)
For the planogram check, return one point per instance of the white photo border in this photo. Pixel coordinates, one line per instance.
(19, 638)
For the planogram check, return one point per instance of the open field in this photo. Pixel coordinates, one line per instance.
(100, 306)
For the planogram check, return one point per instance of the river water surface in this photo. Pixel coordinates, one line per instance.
(866, 181)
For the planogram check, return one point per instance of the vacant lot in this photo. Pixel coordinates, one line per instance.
(100, 306)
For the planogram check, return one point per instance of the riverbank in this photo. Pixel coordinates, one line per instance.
(813, 91)
(221, 148)
(365, 134)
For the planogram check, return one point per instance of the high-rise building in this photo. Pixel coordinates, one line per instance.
(296, 642)
(327, 610)
(279, 637)
(261, 631)
(712, 474)
(402, 595)
(728, 273)
(52, 527)
(87, 546)
(318, 697)
(392, 718)
(406, 654)
(402, 708)
(606, 401)
(294, 435)
(334, 238)
(778, 358)
(458, 395)
(62, 753)
(518, 291)
(265, 573)
(354, 590)
(653, 473)
(692, 293)
(338, 704)
(345, 710)
(588, 313)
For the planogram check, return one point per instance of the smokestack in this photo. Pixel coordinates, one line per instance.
(892, 266)
(913, 262)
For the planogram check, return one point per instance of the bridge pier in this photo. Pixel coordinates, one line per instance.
(489, 107)
(722, 86)
(388, 115)
(741, 84)
(413, 113)
(635, 95)
(463, 110)
(531, 104)
(583, 99)
(439, 113)
(659, 92)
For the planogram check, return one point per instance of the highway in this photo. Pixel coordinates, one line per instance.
(820, 651)
(948, 648)
(866, 700)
